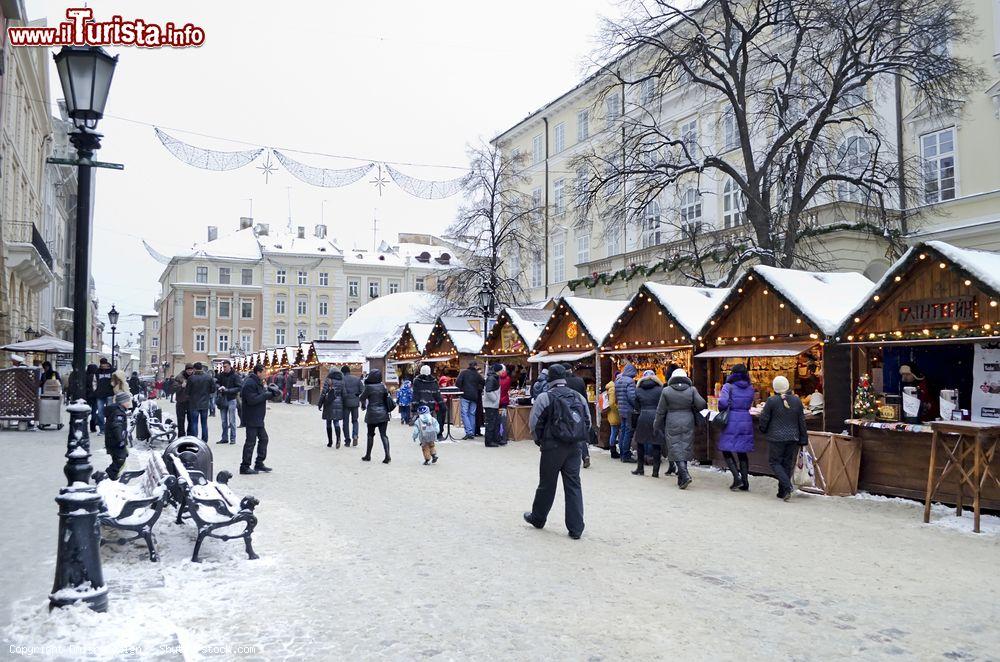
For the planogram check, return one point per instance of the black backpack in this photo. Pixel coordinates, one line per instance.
(567, 417)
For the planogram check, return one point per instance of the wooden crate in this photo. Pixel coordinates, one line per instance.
(837, 460)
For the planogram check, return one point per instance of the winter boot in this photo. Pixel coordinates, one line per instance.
(434, 459)
(731, 465)
(261, 467)
(656, 464)
(338, 441)
(385, 447)
(615, 455)
(640, 463)
(683, 477)
(367, 457)
(247, 471)
(744, 473)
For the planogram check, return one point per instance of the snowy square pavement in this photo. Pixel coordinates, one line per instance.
(366, 561)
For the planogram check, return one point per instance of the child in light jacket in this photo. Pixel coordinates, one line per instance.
(425, 431)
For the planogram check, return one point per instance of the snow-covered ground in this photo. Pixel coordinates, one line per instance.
(367, 561)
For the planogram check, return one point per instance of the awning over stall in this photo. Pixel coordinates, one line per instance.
(646, 350)
(559, 357)
(773, 349)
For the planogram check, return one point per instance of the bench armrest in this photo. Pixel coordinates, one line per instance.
(126, 476)
(134, 505)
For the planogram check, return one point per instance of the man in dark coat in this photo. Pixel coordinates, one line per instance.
(116, 433)
(104, 391)
(135, 384)
(331, 403)
(255, 396)
(558, 456)
(200, 391)
(181, 402)
(228, 385)
(427, 392)
(625, 397)
(470, 383)
(576, 383)
(353, 388)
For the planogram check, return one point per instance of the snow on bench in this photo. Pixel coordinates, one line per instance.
(135, 507)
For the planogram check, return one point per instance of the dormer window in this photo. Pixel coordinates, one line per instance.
(444, 258)
(424, 257)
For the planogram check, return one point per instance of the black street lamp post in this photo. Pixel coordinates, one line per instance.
(113, 319)
(85, 74)
(486, 302)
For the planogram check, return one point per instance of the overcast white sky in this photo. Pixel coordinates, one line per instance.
(381, 80)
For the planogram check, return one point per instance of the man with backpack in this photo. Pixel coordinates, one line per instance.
(560, 420)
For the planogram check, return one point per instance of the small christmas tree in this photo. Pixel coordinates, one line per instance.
(865, 405)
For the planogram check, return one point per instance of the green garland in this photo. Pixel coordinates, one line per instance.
(667, 265)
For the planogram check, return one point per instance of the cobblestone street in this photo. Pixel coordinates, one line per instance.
(365, 561)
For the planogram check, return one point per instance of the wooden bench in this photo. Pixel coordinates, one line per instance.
(213, 507)
(137, 506)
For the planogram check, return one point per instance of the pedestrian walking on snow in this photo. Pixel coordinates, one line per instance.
(331, 403)
(677, 417)
(736, 438)
(613, 418)
(783, 422)
(471, 384)
(255, 396)
(201, 392)
(353, 388)
(427, 392)
(425, 431)
(116, 432)
(647, 398)
(625, 398)
(404, 398)
(378, 406)
(491, 405)
(559, 421)
(228, 385)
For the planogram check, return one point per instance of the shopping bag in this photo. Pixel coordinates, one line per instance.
(804, 474)
(604, 400)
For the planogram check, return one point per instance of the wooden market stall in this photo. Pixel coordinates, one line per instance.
(509, 342)
(657, 331)
(453, 342)
(572, 335)
(400, 353)
(934, 315)
(308, 374)
(781, 322)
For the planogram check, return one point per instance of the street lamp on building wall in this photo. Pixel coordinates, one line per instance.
(85, 74)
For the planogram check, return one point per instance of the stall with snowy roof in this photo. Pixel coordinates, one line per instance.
(400, 352)
(926, 344)
(782, 322)
(453, 342)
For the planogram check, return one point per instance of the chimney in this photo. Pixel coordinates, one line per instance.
(321, 232)
(213, 232)
(261, 229)
(302, 232)
(245, 222)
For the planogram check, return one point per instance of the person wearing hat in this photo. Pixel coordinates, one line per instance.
(200, 391)
(471, 384)
(647, 398)
(491, 405)
(116, 432)
(910, 376)
(228, 385)
(676, 419)
(426, 430)
(576, 383)
(560, 422)
(783, 422)
(736, 438)
(331, 403)
(104, 391)
(181, 402)
(426, 391)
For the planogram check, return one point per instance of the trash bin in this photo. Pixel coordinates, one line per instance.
(50, 405)
(193, 453)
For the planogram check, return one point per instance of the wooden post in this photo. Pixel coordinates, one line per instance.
(979, 440)
(930, 476)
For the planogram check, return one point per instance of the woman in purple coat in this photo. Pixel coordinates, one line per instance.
(737, 437)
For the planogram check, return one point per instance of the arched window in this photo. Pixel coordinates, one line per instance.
(734, 205)
(651, 233)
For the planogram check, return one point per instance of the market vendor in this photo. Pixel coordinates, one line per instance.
(920, 406)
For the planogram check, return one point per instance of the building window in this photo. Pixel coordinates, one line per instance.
(303, 278)
(537, 149)
(199, 341)
(559, 137)
(854, 153)
(155, 342)
(323, 308)
(201, 307)
(582, 248)
(418, 284)
(224, 275)
(373, 289)
(651, 233)
(614, 106)
(730, 134)
(246, 309)
(201, 275)
(279, 277)
(279, 337)
(225, 308)
(393, 287)
(559, 195)
(246, 340)
(691, 209)
(350, 310)
(689, 135)
(647, 90)
(733, 205)
(156, 325)
(322, 334)
(279, 306)
(301, 306)
(352, 288)
(559, 259)
(536, 201)
(247, 277)
(582, 125)
(324, 278)
(440, 284)
(536, 269)
(581, 188)
(223, 342)
(938, 153)
(613, 239)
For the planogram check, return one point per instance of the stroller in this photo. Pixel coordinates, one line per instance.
(147, 424)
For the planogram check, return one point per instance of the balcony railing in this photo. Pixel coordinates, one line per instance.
(25, 232)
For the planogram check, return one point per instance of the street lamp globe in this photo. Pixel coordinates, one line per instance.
(113, 316)
(85, 74)
(485, 300)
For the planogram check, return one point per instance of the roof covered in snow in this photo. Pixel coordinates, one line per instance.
(338, 352)
(824, 298)
(461, 332)
(421, 332)
(404, 254)
(373, 321)
(528, 322)
(690, 306)
(597, 315)
(240, 245)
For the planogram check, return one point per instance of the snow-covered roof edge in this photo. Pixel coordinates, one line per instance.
(691, 318)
